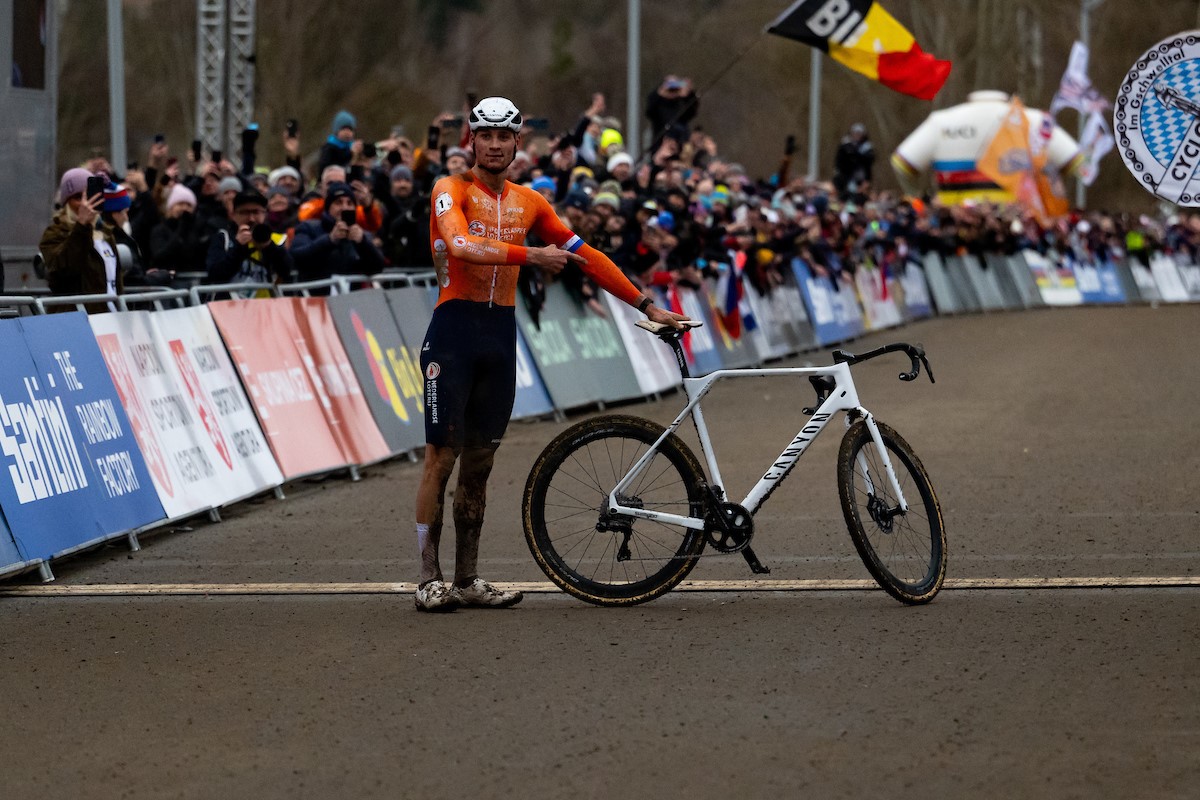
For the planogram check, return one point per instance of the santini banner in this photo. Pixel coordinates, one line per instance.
(867, 39)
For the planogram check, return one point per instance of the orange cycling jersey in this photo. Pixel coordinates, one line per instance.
(477, 238)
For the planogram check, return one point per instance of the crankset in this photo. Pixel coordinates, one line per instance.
(728, 527)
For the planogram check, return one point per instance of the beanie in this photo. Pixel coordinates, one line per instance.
(283, 172)
(617, 160)
(401, 172)
(610, 137)
(181, 194)
(116, 198)
(229, 184)
(344, 119)
(335, 190)
(74, 181)
(543, 182)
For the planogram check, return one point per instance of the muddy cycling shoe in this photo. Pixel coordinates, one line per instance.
(436, 596)
(481, 594)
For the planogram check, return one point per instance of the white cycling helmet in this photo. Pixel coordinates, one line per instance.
(495, 112)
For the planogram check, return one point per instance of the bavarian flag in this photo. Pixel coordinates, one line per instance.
(867, 39)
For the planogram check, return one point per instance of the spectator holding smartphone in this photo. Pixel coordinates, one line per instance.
(335, 244)
(79, 250)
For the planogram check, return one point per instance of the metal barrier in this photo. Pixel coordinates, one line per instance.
(336, 284)
(391, 280)
(177, 298)
(202, 294)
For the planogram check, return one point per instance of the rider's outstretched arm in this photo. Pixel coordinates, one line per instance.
(599, 266)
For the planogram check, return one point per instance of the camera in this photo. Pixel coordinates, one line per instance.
(394, 158)
(218, 156)
(95, 186)
(348, 216)
(261, 233)
(370, 150)
(196, 150)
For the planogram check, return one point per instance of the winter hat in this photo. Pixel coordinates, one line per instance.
(542, 182)
(229, 184)
(577, 200)
(666, 220)
(344, 119)
(74, 181)
(335, 190)
(116, 198)
(607, 199)
(181, 194)
(457, 151)
(618, 159)
(402, 172)
(283, 172)
(610, 137)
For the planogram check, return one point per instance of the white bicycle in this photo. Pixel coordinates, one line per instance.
(617, 509)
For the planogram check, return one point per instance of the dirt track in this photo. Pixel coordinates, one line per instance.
(1061, 444)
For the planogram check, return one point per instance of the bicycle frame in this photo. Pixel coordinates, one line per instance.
(843, 398)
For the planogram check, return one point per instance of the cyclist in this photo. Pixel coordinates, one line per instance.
(478, 222)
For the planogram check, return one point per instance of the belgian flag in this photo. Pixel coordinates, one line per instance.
(867, 39)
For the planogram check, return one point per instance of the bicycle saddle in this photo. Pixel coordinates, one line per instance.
(659, 328)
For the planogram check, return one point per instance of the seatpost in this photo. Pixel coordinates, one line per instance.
(673, 339)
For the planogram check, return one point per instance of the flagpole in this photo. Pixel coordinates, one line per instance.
(633, 136)
(814, 114)
(1085, 10)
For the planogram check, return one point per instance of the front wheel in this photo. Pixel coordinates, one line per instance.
(905, 551)
(601, 558)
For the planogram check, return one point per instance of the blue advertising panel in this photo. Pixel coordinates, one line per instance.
(916, 291)
(699, 345)
(74, 473)
(10, 554)
(835, 317)
(1098, 281)
(532, 398)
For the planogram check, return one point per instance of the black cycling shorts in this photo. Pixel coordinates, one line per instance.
(469, 360)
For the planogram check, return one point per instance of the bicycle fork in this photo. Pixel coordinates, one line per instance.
(878, 508)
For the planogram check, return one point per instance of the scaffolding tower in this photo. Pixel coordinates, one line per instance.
(224, 73)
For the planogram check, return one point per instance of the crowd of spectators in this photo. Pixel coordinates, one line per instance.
(683, 211)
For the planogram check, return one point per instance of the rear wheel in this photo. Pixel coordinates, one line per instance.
(905, 551)
(604, 559)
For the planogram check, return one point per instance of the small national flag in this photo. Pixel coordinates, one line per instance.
(864, 37)
(729, 290)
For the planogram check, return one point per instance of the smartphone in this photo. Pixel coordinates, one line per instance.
(538, 123)
(348, 216)
(159, 138)
(292, 128)
(357, 173)
(218, 156)
(95, 186)
(435, 134)
(453, 122)
(471, 97)
(196, 150)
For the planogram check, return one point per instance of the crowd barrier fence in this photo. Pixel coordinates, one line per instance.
(181, 402)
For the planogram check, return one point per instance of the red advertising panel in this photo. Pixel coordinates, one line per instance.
(266, 345)
(345, 407)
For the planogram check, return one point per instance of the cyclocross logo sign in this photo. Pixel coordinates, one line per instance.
(1157, 119)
